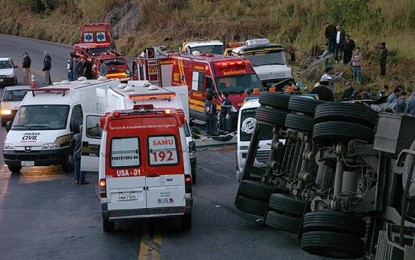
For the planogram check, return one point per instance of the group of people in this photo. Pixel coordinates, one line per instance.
(341, 44)
(27, 63)
(399, 99)
(79, 66)
(211, 114)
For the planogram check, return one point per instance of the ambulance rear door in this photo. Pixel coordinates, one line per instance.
(91, 141)
(165, 179)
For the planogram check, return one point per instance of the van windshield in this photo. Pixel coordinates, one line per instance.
(267, 58)
(14, 95)
(214, 49)
(238, 83)
(45, 117)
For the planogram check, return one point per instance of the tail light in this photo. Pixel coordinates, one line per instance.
(102, 188)
(188, 183)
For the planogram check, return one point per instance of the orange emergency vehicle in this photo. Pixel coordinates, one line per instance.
(117, 65)
(95, 38)
(215, 74)
(144, 167)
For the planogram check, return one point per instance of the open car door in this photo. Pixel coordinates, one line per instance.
(91, 141)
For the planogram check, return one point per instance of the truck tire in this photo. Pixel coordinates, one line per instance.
(302, 123)
(274, 99)
(334, 221)
(283, 222)
(252, 206)
(14, 169)
(255, 189)
(186, 221)
(332, 244)
(333, 132)
(271, 116)
(334, 111)
(107, 225)
(288, 204)
(68, 164)
(304, 104)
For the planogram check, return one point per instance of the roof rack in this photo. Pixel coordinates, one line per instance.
(63, 90)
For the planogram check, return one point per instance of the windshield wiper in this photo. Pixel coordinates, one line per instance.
(20, 127)
(38, 126)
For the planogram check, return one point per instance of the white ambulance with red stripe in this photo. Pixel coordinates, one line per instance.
(144, 166)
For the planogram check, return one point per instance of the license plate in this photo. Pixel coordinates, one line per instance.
(127, 196)
(28, 163)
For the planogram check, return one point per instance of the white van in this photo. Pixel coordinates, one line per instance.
(41, 132)
(10, 101)
(246, 127)
(126, 96)
(144, 166)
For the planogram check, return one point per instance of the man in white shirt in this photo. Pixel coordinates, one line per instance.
(338, 51)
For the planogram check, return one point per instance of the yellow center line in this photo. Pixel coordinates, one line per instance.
(150, 247)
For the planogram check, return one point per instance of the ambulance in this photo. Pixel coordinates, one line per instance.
(95, 38)
(144, 167)
(126, 96)
(46, 121)
(215, 74)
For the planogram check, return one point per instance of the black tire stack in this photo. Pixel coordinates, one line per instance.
(333, 234)
(285, 212)
(302, 116)
(253, 196)
(342, 122)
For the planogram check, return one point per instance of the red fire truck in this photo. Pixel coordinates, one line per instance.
(202, 74)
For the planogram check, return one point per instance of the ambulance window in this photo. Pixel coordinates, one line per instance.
(77, 115)
(162, 150)
(197, 81)
(209, 83)
(125, 152)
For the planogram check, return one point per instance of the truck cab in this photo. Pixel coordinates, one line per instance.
(144, 167)
(268, 61)
(202, 46)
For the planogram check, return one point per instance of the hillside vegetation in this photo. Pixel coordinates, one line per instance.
(294, 23)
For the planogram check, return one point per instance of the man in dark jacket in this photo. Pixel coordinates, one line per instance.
(330, 34)
(348, 47)
(348, 91)
(27, 62)
(47, 65)
(210, 113)
(225, 112)
(322, 90)
(383, 55)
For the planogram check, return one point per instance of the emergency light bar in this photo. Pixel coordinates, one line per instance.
(260, 41)
(151, 96)
(225, 64)
(49, 90)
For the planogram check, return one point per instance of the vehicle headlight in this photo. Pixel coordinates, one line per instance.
(6, 112)
(52, 146)
(8, 147)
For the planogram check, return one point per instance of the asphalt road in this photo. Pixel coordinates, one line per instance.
(44, 215)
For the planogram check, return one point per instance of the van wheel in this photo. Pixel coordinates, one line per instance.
(186, 221)
(107, 225)
(68, 164)
(14, 169)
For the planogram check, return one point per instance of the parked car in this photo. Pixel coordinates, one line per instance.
(10, 101)
(7, 72)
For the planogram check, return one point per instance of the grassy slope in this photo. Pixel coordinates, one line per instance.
(299, 23)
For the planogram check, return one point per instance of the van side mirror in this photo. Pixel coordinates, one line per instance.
(8, 126)
(192, 146)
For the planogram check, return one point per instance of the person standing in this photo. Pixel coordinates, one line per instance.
(330, 34)
(27, 62)
(225, 112)
(395, 95)
(348, 91)
(400, 103)
(69, 66)
(103, 69)
(410, 105)
(383, 56)
(210, 113)
(88, 68)
(357, 65)
(77, 153)
(332, 77)
(47, 65)
(348, 48)
(322, 91)
(340, 37)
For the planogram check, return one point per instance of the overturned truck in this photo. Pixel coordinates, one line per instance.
(342, 181)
